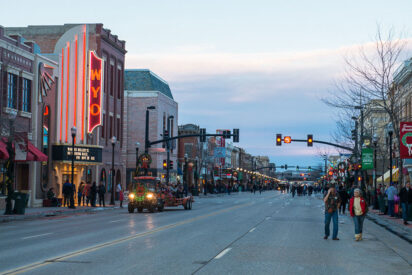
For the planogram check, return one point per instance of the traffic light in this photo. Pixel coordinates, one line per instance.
(164, 164)
(202, 134)
(310, 168)
(278, 139)
(287, 139)
(354, 134)
(226, 134)
(170, 164)
(235, 135)
(310, 140)
(286, 167)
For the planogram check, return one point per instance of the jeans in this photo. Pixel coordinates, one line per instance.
(358, 220)
(391, 206)
(405, 207)
(334, 217)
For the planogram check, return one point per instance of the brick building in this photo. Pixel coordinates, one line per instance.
(143, 88)
(71, 45)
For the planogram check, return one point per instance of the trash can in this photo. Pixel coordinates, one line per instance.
(20, 200)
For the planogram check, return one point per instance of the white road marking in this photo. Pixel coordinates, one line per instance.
(221, 254)
(35, 236)
(253, 229)
(115, 221)
(267, 218)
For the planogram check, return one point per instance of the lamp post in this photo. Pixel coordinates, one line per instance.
(196, 193)
(185, 175)
(375, 145)
(137, 156)
(146, 141)
(113, 141)
(390, 132)
(168, 150)
(10, 163)
(74, 132)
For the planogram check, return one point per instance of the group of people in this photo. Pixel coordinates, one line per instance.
(303, 189)
(391, 196)
(336, 201)
(86, 194)
(172, 189)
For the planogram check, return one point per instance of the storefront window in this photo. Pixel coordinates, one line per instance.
(103, 177)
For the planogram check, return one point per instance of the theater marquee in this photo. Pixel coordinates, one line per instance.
(95, 92)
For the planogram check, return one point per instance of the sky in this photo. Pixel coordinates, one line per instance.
(260, 66)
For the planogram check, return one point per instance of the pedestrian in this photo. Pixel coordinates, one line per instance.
(406, 201)
(93, 192)
(86, 193)
(332, 203)
(121, 197)
(118, 189)
(80, 193)
(358, 209)
(344, 200)
(101, 191)
(391, 192)
(72, 193)
(66, 193)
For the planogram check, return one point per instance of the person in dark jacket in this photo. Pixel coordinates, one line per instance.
(406, 200)
(101, 191)
(343, 194)
(93, 192)
(66, 193)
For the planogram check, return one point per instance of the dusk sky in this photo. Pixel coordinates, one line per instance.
(261, 66)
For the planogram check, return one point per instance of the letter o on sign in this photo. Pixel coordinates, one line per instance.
(95, 109)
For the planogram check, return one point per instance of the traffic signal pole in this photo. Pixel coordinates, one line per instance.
(324, 142)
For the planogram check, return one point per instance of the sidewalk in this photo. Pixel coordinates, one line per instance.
(39, 212)
(394, 225)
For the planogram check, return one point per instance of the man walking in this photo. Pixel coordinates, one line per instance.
(66, 193)
(332, 204)
(343, 194)
(406, 200)
(391, 192)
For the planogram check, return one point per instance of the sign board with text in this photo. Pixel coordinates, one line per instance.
(89, 154)
(95, 92)
(367, 159)
(406, 140)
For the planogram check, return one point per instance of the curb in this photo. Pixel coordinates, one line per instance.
(391, 228)
(7, 218)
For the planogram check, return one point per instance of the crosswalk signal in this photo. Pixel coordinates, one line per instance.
(164, 164)
(310, 140)
(235, 135)
(278, 139)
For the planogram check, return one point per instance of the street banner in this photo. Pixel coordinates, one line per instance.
(367, 159)
(406, 140)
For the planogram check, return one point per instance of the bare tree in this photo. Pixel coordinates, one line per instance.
(369, 76)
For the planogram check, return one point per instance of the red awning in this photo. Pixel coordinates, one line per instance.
(4, 154)
(34, 154)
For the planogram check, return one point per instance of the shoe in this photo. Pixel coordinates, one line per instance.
(360, 237)
(357, 237)
(335, 239)
(325, 238)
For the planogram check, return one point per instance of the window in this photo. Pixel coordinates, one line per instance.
(111, 79)
(25, 106)
(11, 90)
(118, 128)
(104, 125)
(119, 82)
(111, 126)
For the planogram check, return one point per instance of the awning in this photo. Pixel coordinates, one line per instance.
(34, 154)
(386, 176)
(4, 154)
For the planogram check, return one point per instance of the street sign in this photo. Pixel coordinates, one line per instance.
(406, 140)
(367, 159)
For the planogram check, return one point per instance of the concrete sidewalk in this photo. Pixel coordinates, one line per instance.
(39, 212)
(394, 225)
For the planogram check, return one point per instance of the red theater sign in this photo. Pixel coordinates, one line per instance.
(95, 92)
(406, 140)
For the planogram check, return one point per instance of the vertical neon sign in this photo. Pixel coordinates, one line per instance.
(95, 92)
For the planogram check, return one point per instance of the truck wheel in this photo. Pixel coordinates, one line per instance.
(130, 208)
(140, 209)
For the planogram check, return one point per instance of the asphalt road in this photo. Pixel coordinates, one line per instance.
(238, 234)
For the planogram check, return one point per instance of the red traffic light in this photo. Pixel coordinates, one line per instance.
(287, 139)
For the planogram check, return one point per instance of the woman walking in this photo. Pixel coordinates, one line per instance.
(358, 209)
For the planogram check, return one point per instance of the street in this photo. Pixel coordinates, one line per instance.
(243, 233)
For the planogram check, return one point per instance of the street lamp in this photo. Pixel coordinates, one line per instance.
(185, 175)
(137, 157)
(146, 147)
(113, 141)
(168, 149)
(375, 144)
(74, 132)
(10, 169)
(390, 133)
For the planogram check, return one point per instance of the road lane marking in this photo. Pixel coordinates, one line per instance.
(69, 255)
(35, 236)
(221, 254)
(115, 221)
(253, 229)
